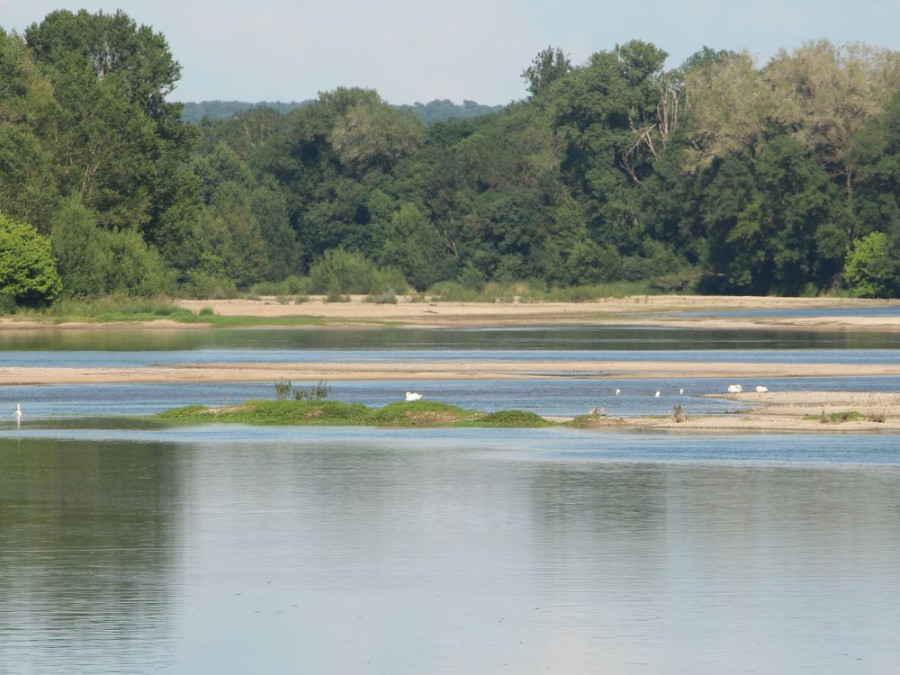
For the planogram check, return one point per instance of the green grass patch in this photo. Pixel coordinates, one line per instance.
(512, 419)
(114, 309)
(337, 413)
(421, 414)
(275, 413)
(134, 310)
(837, 417)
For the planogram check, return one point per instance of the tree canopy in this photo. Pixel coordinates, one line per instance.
(780, 178)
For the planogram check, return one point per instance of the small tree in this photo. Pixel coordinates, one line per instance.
(27, 272)
(871, 271)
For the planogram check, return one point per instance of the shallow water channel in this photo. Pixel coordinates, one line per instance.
(337, 550)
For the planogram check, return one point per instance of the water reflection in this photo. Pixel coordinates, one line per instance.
(344, 551)
(567, 338)
(87, 546)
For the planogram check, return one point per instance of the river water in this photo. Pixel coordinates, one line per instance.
(243, 549)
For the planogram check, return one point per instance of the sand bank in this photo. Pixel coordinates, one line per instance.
(652, 310)
(750, 374)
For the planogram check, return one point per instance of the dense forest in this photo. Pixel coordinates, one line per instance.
(717, 176)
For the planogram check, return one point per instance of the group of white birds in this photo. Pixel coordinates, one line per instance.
(737, 389)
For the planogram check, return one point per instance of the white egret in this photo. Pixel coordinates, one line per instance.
(18, 414)
(656, 394)
(413, 396)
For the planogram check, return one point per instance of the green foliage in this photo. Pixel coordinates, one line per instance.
(28, 274)
(283, 389)
(872, 268)
(341, 272)
(603, 176)
(420, 413)
(512, 419)
(317, 392)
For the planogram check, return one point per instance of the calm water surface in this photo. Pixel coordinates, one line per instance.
(471, 551)
(242, 550)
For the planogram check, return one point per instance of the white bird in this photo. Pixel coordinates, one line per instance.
(657, 393)
(761, 389)
(735, 389)
(681, 391)
(618, 391)
(18, 412)
(413, 396)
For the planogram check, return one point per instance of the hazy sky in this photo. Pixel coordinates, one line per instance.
(420, 50)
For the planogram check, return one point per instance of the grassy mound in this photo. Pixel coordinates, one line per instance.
(512, 418)
(421, 413)
(275, 412)
(336, 413)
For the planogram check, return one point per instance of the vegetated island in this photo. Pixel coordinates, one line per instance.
(339, 413)
(774, 411)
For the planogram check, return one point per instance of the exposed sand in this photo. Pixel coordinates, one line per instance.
(651, 310)
(749, 373)
(785, 411)
(771, 411)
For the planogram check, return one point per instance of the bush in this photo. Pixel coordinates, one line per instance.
(340, 272)
(208, 286)
(28, 273)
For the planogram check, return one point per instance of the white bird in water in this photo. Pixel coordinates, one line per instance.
(761, 389)
(413, 396)
(735, 389)
(681, 391)
(656, 394)
(618, 391)
(18, 413)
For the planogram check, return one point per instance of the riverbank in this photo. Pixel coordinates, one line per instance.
(789, 411)
(659, 311)
(672, 311)
(750, 373)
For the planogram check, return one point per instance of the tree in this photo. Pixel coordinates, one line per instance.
(548, 66)
(27, 272)
(117, 141)
(872, 269)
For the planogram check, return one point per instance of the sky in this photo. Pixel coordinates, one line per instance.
(420, 50)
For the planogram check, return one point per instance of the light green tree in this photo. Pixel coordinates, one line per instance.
(871, 270)
(28, 274)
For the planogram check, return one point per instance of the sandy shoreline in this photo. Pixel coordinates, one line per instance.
(651, 311)
(775, 411)
(749, 373)
(669, 311)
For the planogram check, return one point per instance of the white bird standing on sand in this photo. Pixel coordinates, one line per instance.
(413, 396)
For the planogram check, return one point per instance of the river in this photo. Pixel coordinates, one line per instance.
(342, 550)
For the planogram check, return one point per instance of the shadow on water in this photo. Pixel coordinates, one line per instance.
(88, 540)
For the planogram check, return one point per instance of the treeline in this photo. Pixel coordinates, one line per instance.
(717, 176)
(439, 110)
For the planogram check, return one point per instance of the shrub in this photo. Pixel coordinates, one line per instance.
(340, 272)
(28, 273)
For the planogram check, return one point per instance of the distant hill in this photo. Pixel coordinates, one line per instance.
(435, 111)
